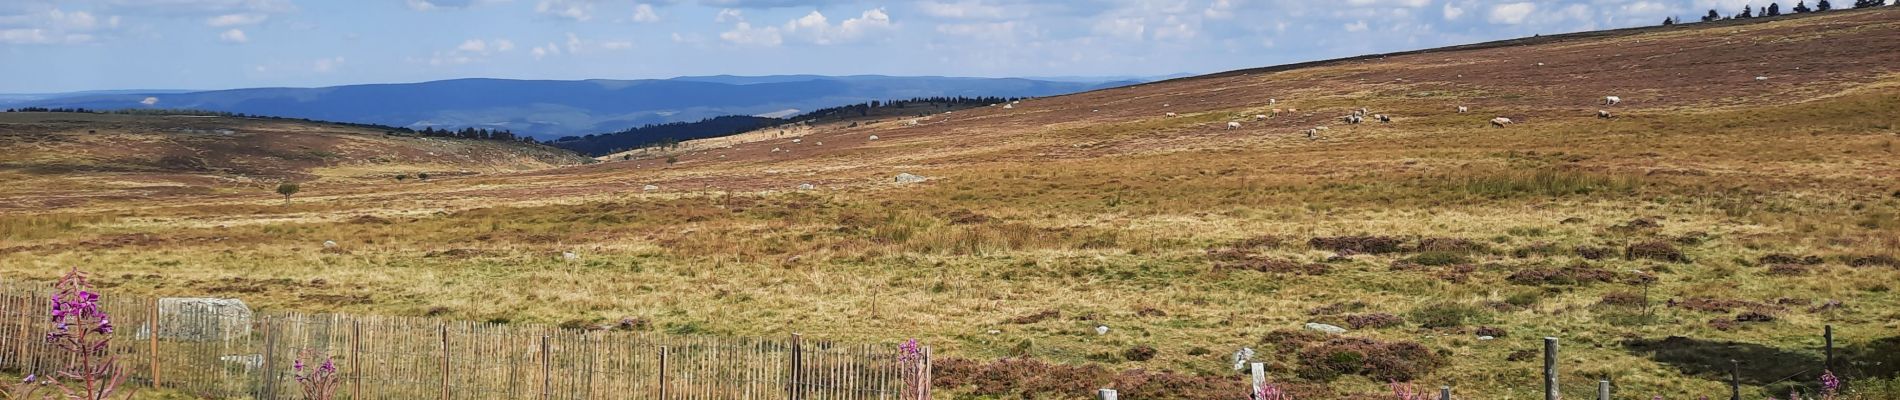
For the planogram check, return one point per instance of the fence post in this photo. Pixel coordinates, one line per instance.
(1550, 369)
(929, 371)
(1829, 336)
(270, 358)
(1106, 394)
(1603, 390)
(797, 370)
(1259, 373)
(445, 359)
(663, 355)
(1734, 380)
(152, 327)
(547, 379)
(1444, 393)
(356, 361)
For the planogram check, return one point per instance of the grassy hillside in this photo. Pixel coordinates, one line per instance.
(67, 159)
(1744, 196)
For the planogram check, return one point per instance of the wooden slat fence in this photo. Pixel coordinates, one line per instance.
(380, 357)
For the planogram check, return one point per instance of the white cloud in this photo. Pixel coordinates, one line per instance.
(544, 51)
(1453, 12)
(1126, 28)
(744, 34)
(504, 45)
(149, 101)
(52, 25)
(1219, 9)
(473, 46)
(616, 45)
(234, 36)
(728, 15)
(643, 13)
(965, 9)
(1511, 13)
(1358, 26)
(327, 64)
(228, 20)
(578, 10)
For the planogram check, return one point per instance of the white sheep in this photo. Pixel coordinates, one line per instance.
(1277, 111)
(1272, 101)
(1260, 117)
(1171, 114)
(1233, 125)
(1501, 122)
(1383, 118)
(1605, 114)
(873, 137)
(1008, 106)
(1463, 109)
(1321, 128)
(570, 256)
(1612, 100)
(1101, 330)
(329, 244)
(798, 140)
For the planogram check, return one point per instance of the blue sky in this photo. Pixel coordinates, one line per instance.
(69, 45)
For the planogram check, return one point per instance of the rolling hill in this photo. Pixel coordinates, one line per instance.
(1742, 197)
(550, 109)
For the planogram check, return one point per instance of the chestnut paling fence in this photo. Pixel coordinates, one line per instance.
(226, 355)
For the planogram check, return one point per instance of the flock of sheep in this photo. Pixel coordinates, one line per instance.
(1360, 115)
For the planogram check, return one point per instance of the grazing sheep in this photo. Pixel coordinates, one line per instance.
(775, 150)
(1383, 118)
(1292, 110)
(1233, 125)
(1463, 109)
(1353, 119)
(1260, 117)
(570, 256)
(1612, 100)
(1008, 106)
(1277, 111)
(1605, 114)
(873, 137)
(1272, 101)
(1101, 330)
(1321, 128)
(1363, 111)
(329, 244)
(798, 140)
(1501, 122)
(1310, 133)
(1171, 114)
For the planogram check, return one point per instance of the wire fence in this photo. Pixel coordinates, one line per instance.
(221, 353)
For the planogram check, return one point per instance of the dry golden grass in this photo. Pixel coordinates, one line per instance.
(1109, 216)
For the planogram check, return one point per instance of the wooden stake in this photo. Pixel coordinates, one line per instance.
(797, 370)
(547, 379)
(1828, 335)
(663, 372)
(356, 362)
(152, 328)
(445, 359)
(1550, 369)
(1444, 393)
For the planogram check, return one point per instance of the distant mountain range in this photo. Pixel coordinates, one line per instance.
(550, 109)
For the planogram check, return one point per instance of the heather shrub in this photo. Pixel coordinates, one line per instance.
(1139, 353)
(1374, 321)
(1573, 275)
(1383, 361)
(1357, 244)
(1655, 250)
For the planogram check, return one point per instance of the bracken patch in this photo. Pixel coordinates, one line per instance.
(1378, 360)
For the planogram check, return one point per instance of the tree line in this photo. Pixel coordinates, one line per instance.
(1774, 10)
(669, 135)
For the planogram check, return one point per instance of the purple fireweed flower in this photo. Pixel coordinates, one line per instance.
(29, 378)
(298, 366)
(328, 366)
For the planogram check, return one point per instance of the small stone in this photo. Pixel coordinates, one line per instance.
(1486, 338)
(806, 186)
(1324, 328)
(908, 178)
(649, 188)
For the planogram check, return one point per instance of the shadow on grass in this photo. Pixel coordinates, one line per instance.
(1777, 370)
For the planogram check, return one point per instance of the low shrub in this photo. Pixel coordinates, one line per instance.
(1491, 331)
(1039, 316)
(1655, 250)
(1440, 258)
(1623, 299)
(1374, 321)
(1357, 244)
(1594, 253)
(1139, 353)
(1030, 378)
(1878, 260)
(1573, 275)
(1378, 360)
(1782, 258)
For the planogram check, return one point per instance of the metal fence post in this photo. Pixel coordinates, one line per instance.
(1550, 369)
(1444, 393)
(1106, 394)
(356, 360)
(1735, 380)
(1603, 390)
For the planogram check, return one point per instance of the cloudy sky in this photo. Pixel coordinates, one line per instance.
(69, 45)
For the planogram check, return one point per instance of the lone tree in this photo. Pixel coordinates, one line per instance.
(1747, 12)
(1712, 16)
(286, 189)
(1774, 10)
(1823, 6)
(1802, 7)
(1869, 3)
(1669, 21)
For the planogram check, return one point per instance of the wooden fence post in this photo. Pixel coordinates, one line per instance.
(1603, 390)
(1550, 369)
(1828, 335)
(1444, 393)
(445, 359)
(356, 361)
(1259, 373)
(663, 372)
(1106, 394)
(930, 371)
(547, 378)
(152, 328)
(797, 370)
(1735, 380)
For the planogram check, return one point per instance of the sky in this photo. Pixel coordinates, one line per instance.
(71, 45)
